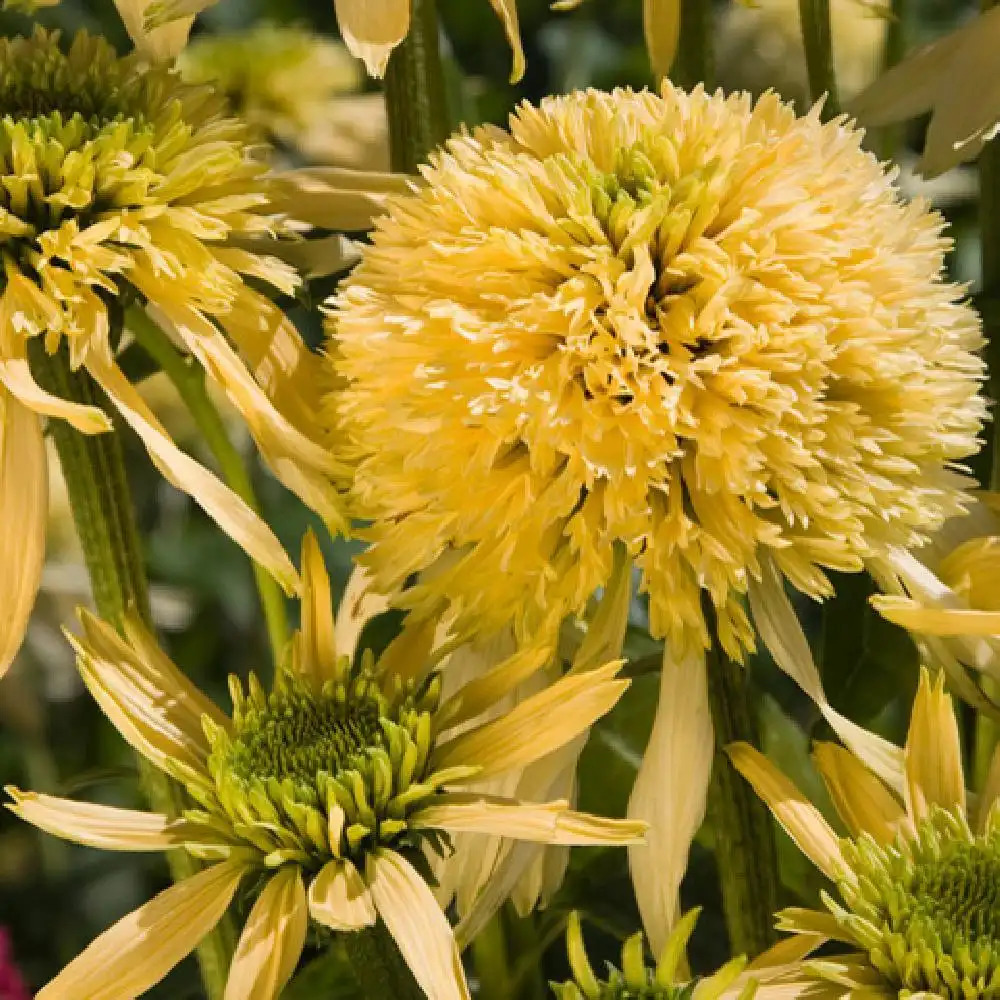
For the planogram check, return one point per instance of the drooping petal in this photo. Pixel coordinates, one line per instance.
(800, 818)
(272, 940)
(372, 29)
(933, 753)
(319, 645)
(537, 726)
(662, 25)
(917, 617)
(24, 501)
(339, 898)
(139, 950)
(670, 792)
(359, 604)
(335, 197)
(16, 377)
(242, 524)
(606, 630)
(105, 827)
(159, 44)
(417, 924)
(507, 12)
(862, 801)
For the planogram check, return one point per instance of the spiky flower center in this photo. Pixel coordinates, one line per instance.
(927, 910)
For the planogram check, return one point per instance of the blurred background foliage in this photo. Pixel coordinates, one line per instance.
(54, 897)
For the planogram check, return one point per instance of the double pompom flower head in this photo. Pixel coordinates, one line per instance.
(325, 795)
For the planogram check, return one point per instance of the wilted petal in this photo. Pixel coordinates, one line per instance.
(373, 28)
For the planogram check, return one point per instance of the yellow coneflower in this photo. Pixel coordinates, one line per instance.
(325, 791)
(916, 875)
(706, 331)
(121, 185)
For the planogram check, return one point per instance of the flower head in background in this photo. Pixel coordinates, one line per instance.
(955, 78)
(326, 791)
(296, 86)
(916, 876)
(125, 188)
(635, 981)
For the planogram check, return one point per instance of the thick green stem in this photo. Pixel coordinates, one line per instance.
(415, 95)
(896, 40)
(378, 966)
(189, 379)
(745, 849)
(94, 470)
(816, 36)
(695, 60)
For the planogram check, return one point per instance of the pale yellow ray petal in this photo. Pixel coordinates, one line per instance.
(803, 822)
(24, 501)
(319, 645)
(862, 801)
(990, 792)
(339, 898)
(159, 44)
(359, 604)
(418, 926)
(272, 940)
(537, 726)
(933, 752)
(606, 630)
(917, 617)
(139, 950)
(407, 657)
(16, 377)
(157, 711)
(670, 792)
(372, 29)
(105, 827)
(578, 829)
(241, 523)
(662, 26)
(507, 12)
(334, 197)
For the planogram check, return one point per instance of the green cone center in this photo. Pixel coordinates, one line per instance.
(960, 895)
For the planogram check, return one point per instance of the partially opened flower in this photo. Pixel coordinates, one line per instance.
(706, 331)
(322, 793)
(915, 876)
(125, 189)
(956, 79)
(637, 980)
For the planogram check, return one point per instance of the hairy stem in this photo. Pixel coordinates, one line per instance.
(94, 470)
(379, 967)
(695, 60)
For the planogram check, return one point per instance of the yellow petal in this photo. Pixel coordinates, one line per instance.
(990, 792)
(339, 898)
(372, 29)
(507, 12)
(407, 657)
(154, 706)
(490, 814)
(272, 940)
(335, 197)
(319, 646)
(242, 524)
(606, 630)
(800, 818)
(537, 726)
(139, 950)
(159, 44)
(358, 605)
(933, 753)
(662, 25)
(94, 825)
(917, 617)
(16, 377)
(24, 501)
(670, 792)
(418, 926)
(862, 801)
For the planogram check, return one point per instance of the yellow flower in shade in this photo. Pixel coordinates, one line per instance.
(294, 85)
(956, 79)
(635, 981)
(124, 187)
(323, 793)
(916, 875)
(948, 595)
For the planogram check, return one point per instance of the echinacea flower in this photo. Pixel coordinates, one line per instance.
(707, 331)
(322, 793)
(955, 78)
(915, 876)
(123, 187)
(636, 980)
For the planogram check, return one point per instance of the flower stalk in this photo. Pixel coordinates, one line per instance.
(818, 42)
(378, 965)
(745, 850)
(415, 94)
(695, 60)
(94, 470)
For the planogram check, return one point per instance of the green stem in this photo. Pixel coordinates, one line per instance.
(695, 60)
(896, 40)
(94, 470)
(378, 966)
(745, 849)
(415, 95)
(816, 36)
(189, 379)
